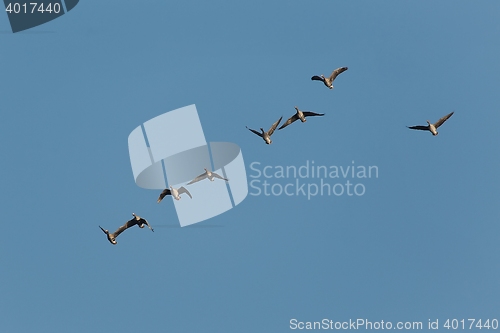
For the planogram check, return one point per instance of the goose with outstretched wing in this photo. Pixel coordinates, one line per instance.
(432, 127)
(136, 220)
(174, 192)
(328, 81)
(266, 136)
(207, 174)
(300, 115)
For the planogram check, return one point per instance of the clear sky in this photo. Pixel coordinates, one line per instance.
(421, 243)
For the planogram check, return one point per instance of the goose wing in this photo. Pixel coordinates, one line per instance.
(144, 221)
(271, 130)
(197, 179)
(289, 121)
(219, 176)
(317, 78)
(163, 194)
(124, 227)
(442, 120)
(184, 190)
(419, 127)
(311, 114)
(259, 134)
(336, 72)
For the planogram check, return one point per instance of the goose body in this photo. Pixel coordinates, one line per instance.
(207, 174)
(136, 220)
(432, 127)
(174, 192)
(266, 136)
(300, 115)
(328, 81)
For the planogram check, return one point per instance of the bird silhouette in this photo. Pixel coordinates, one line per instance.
(300, 115)
(266, 136)
(328, 81)
(136, 220)
(432, 127)
(174, 192)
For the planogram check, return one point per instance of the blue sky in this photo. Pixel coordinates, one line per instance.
(421, 243)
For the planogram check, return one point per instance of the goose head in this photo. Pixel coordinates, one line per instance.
(112, 240)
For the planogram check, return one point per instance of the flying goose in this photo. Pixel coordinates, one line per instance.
(207, 174)
(135, 220)
(266, 136)
(300, 115)
(328, 81)
(175, 192)
(432, 127)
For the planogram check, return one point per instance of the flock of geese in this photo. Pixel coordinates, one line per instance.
(174, 192)
(299, 114)
(328, 82)
(266, 136)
